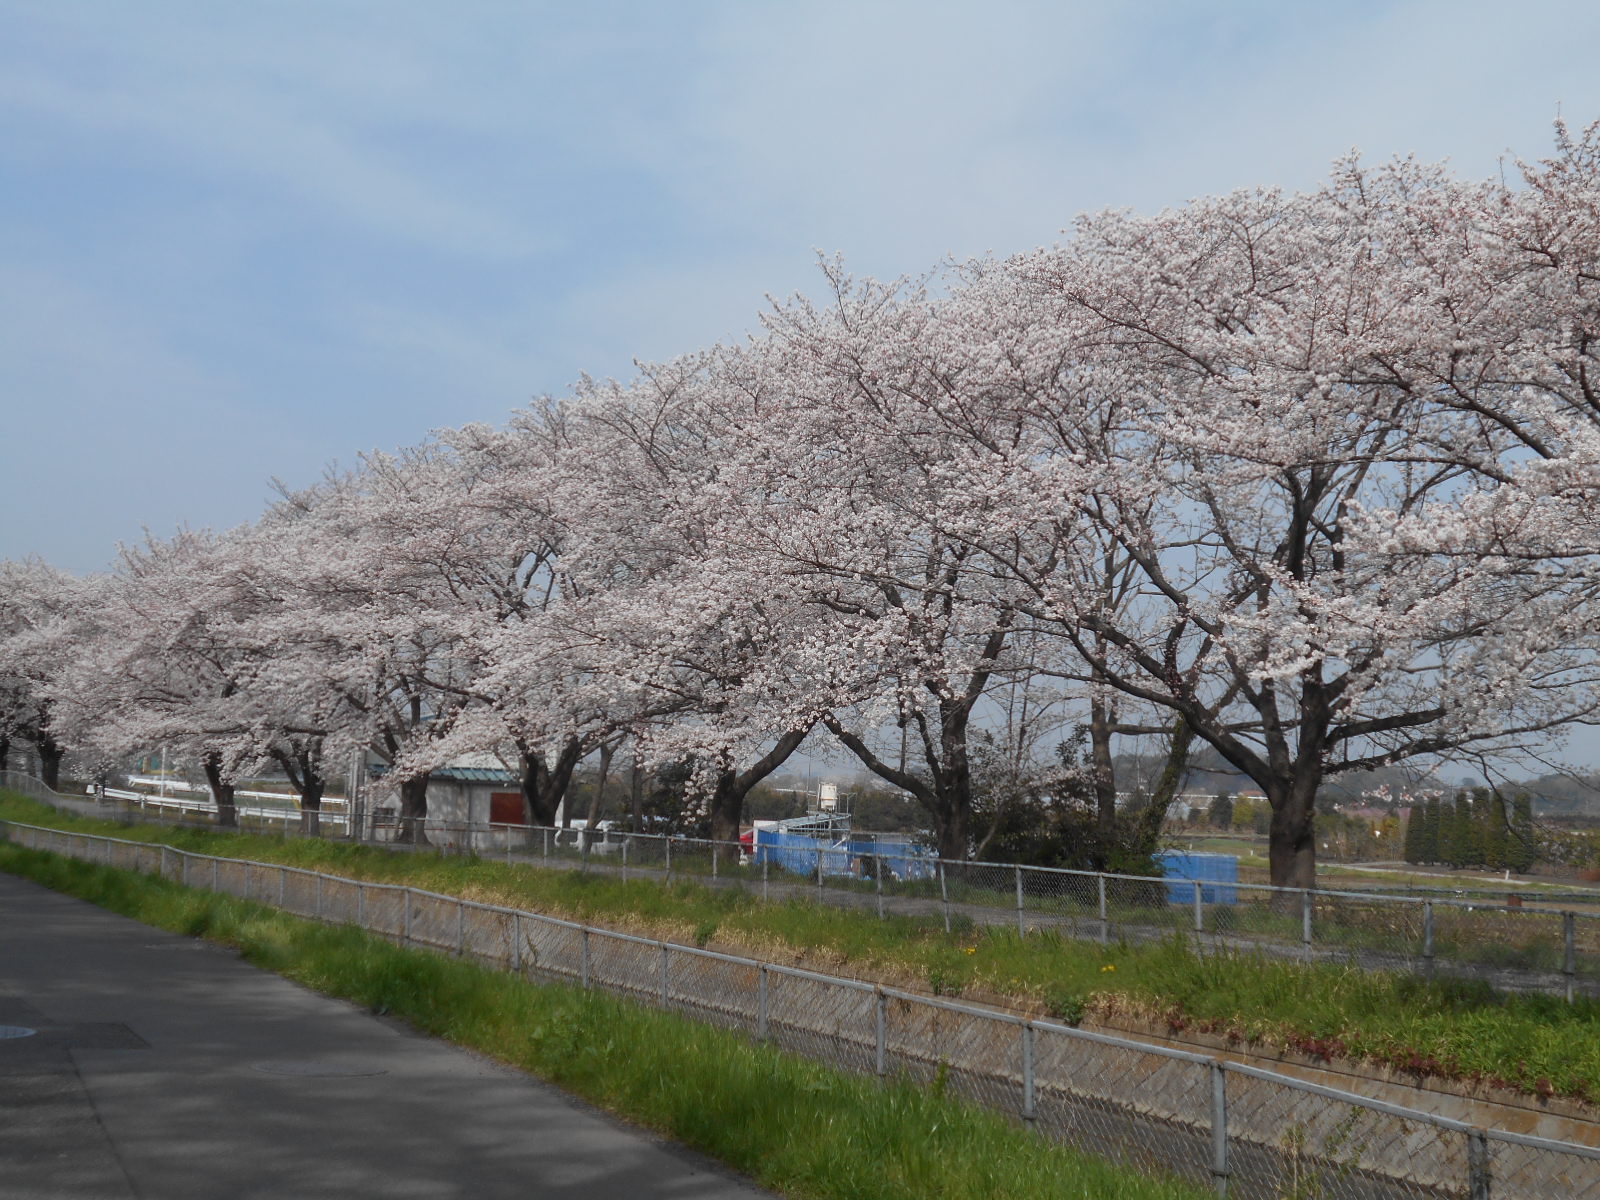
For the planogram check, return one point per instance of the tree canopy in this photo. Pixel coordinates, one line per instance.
(1308, 479)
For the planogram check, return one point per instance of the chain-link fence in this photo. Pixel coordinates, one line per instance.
(1252, 1132)
(1504, 939)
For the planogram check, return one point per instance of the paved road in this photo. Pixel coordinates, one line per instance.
(166, 1068)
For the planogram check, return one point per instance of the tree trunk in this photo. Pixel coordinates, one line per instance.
(544, 786)
(50, 756)
(947, 798)
(535, 789)
(727, 800)
(5, 751)
(636, 793)
(953, 831)
(952, 782)
(1147, 831)
(1105, 778)
(304, 769)
(311, 790)
(221, 791)
(597, 803)
(727, 807)
(414, 811)
(1293, 851)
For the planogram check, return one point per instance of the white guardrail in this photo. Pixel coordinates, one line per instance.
(284, 813)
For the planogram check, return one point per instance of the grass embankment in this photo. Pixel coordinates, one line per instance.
(1539, 1045)
(792, 1125)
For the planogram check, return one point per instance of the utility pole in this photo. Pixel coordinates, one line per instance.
(354, 796)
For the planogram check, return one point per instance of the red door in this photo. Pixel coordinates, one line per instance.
(505, 808)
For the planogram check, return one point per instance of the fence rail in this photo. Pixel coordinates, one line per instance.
(1252, 1132)
(1504, 941)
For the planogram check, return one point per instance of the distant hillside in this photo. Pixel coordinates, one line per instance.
(1565, 795)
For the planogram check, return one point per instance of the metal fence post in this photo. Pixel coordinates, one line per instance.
(1569, 961)
(461, 929)
(547, 843)
(766, 865)
(407, 925)
(669, 858)
(283, 887)
(1105, 917)
(1199, 908)
(663, 974)
(1427, 940)
(361, 905)
(1027, 1071)
(761, 1004)
(1477, 1166)
(516, 942)
(877, 881)
(819, 870)
(213, 874)
(944, 895)
(583, 955)
(716, 853)
(318, 902)
(1219, 1127)
(1022, 929)
(1305, 920)
(627, 840)
(882, 1033)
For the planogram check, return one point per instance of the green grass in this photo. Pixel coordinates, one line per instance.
(1537, 1044)
(793, 1125)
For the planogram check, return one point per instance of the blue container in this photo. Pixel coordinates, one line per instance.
(1213, 871)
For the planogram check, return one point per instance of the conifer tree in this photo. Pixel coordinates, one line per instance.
(1467, 853)
(1448, 852)
(1416, 828)
(1493, 829)
(1432, 835)
(1522, 848)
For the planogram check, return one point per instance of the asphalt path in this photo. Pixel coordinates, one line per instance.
(165, 1068)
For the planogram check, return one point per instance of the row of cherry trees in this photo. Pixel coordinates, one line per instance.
(1309, 478)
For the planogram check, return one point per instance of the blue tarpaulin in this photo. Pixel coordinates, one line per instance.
(797, 853)
(1210, 870)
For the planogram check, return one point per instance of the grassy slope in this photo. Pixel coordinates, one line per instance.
(793, 1125)
(1537, 1044)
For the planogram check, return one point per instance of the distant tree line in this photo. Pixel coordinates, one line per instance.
(1478, 828)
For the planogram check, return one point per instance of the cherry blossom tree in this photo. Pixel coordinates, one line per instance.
(43, 612)
(164, 665)
(846, 503)
(375, 614)
(692, 642)
(1210, 388)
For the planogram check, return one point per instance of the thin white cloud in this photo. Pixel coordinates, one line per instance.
(396, 215)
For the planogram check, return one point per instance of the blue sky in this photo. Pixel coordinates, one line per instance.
(242, 241)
